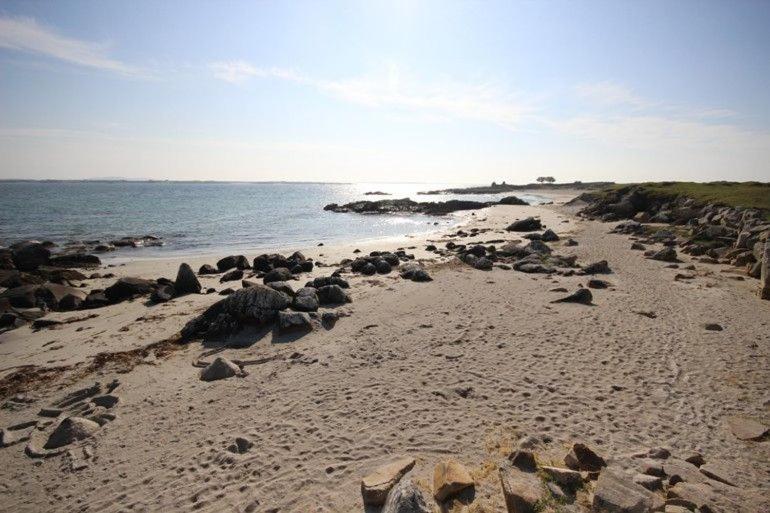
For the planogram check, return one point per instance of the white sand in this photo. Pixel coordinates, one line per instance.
(383, 382)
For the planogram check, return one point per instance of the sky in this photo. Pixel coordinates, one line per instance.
(419, 91)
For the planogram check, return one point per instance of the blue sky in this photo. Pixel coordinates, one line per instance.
(385, 91)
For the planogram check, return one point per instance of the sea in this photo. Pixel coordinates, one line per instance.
(211, 217)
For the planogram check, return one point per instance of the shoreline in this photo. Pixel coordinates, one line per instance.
(466, 367)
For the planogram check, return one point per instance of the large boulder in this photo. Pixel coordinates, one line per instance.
(521, 489)
(29, 255)
(376, 486)
(127, 288)
(254, 305)
(529, 224)
(186, 282)
(208, 269)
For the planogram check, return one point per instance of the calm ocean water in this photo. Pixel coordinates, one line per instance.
(207, 217)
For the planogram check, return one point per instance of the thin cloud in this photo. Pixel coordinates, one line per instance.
(612, 94)
(449, 100)
(27, 35)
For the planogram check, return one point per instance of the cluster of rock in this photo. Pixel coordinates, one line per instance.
(408, 206)
(717, 234)
(274, 301)
(272, 267)
(497, 188)
(648, 481)
(77, 416)
(384, 262)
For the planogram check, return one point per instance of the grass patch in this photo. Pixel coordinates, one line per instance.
(730, 194)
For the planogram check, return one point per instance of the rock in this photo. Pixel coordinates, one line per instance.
(233, 261)
(600, 267)
(679, 470)
(570, 242)
(582, 296)
(29, 255)
(82, 260)
(483, 264)
(523, 459)
(413, 271)
(570, 479)
(241, 445)
(652, 483)
(235, 274)
(665, 255)
(764, 279)
(294, 322)
(127, 288)
(162, 294)
(278, 274)
(59, 275)
(652, 468)
(208, 269)
(368, 269)
(48, 295)
(376, 486)
(106, 400)
(95, 299)
(306, 300)
(254, 305)
(405, 497)
(226, 292)
(537, 246)
(549, 236)
(581, 457)
(695, 459)
(529, 224)
(69, 430)
(616, 493)
(715, 497)
(712, 326)
(719, 471)
(638, 246)
(6, 259)
(332, 294)
(281, 286)
(186, 282)
(747, 429)
(521, 490)
(598, 284)
(449, 478)
(220, 368)
(512, 200)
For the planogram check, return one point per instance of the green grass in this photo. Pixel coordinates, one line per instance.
(731, 194)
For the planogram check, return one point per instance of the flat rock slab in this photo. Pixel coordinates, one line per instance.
(719, 471)
(617, 493)
(449, 478)
(747, 429)
(522, 490)
(375, 486)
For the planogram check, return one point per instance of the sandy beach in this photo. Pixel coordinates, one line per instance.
(462, 367)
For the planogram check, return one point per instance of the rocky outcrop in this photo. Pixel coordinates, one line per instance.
(449, 478)
(407, 206)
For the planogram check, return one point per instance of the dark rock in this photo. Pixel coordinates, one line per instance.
(332, 294)
(278, 274)
(665, 255)
(549, 236)
(712, 326)
(81, 260)
(529, 224)
(598, 284)
(29, 255)
(638, 246)
(70, 430)
(581, 457)
(226, 292)
(127, 288)
(95, 299)
(306, 300)
(415, 272)
(582, 296)
(253, 305)
(235, 274)
(71, 302)
(162, 294)
(512, 200)
(368, 269)
(292, 322)
(570, 242)
(383, 267)
(282, 286)
(233, 261)
(186, 282)
(600, 267)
